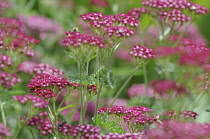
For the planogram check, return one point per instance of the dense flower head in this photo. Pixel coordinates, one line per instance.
(27, 67)
(37, 101)
(77, 39)
(8, 80)
(170, 113)
(174, 15)
(188, 114)
(47, 69)
(5, 61)
(178, 130)
(139, 90)
(162, 87)
(82, 131)
(122, 136)
(99, 20)
(4, 131)
(142, 52)
(118, 31)
(175, 4)
(40, 25)
(6, 23)
(92, 16)
(28, 51)
(99, 3)
(137, 12)
(164, 51)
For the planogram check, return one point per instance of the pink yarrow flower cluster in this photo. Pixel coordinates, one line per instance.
(5, 61)
(137, 12)
(77, 39)
(174, 15)
(134, 117)
(4, 131)
(141, 52)
(40, 26)
(140, 90)
(37, 101)
(46, 86)
(8, 80)
(175, 4)
(182, 114)
(165, 87)
(178, 130)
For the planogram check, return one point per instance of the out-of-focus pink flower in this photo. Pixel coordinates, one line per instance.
(37, 101)
(27, 67)
(140, 90)
(118, 102)
(178, 130)
(8, 80)
(4, 131)
(40, 25)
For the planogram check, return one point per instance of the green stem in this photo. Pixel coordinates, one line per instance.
(81, 94)
(103, 79)
(2, 113)
(123, 86)
(182, 34)
(145, 78)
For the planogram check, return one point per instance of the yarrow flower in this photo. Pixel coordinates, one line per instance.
(82, 131)
(122, 136)
(178, 130)
(174, 15)
(47, 69)
(175, 4)
(45, 85)
(4, 131)
(164, 87)
(141, 52)
(27, 67)
(8, 80)
(42, 84)
(139, 90)
(77, 39)
(5, 61)
(135, 118)
(99, 20)
(118, 31)
(137, 12)
(182, 114)
(40, 26)
(37, 101)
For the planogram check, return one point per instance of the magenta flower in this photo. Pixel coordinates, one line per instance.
(47, 69)
(141, 52)
(77, 39)
(140, 90)
(137, 12)
(165, 87)
(4, 131)
(8, 80)
(175, 4)
(4, 5)
(122, 136)
(178, 130)
(188, 114)
(118, 31)
(40, 26)
(27, 67)
(37, 101)
(42, 84)
(5, 61)
(174, 15)
(164, 51)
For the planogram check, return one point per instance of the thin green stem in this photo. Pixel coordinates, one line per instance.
(81, 94)
(2, 113)
(145, 78)
(123, 86)
(182, 34)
